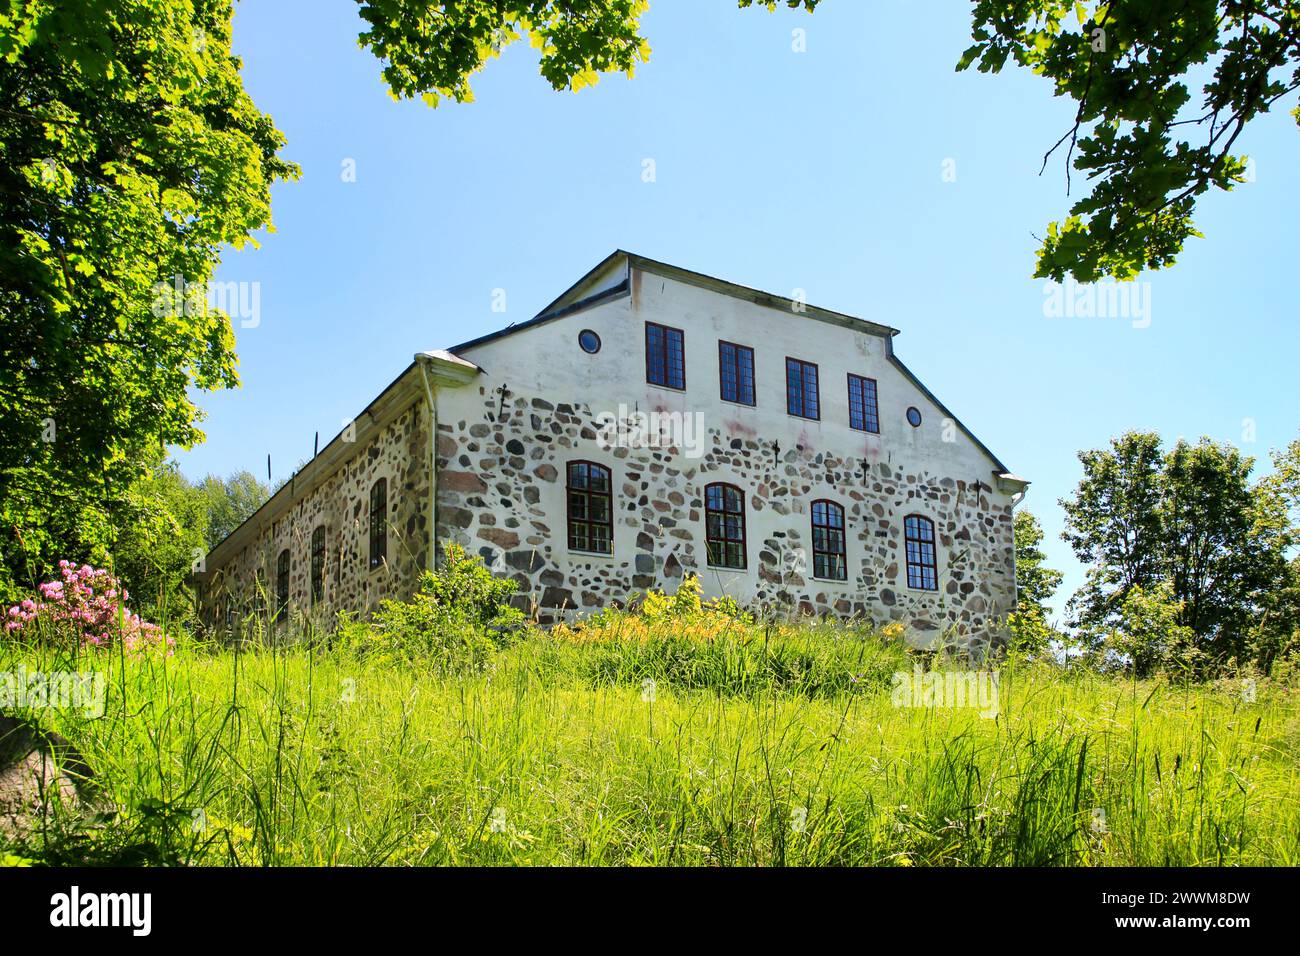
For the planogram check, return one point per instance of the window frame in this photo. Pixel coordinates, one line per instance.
(753, 375)
(920, 564)
(875, 404)
(803, 365)
(710, 539)
(283, 570)
(666, 352)
(570, 520)
(378, 554)
(828, 528)
(318, 551)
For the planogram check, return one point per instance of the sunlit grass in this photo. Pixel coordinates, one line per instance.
(562, 753)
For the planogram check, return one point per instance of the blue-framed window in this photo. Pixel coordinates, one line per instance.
(918, 534)
(736, 372)
(801, 397)
(864, 413)
(665, 356)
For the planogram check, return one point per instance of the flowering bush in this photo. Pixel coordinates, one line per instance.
(86, 606)
(683, 615)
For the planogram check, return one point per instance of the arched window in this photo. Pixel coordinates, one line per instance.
(378, 523)
(724, 525)
(317, 564)
(918, 534)
(591, 508)
(828, 541)
(282, 583)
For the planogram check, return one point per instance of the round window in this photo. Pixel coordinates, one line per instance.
(914, 417)
(589, 341)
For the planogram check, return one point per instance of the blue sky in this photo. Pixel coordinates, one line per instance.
(821, 170)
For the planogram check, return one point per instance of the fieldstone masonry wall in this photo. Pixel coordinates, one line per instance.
(341, 503)
(501, 495)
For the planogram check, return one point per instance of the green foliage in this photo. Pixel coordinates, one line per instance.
(1188, 519)
(132, 156)
(1148, 633)
(1030, 632)
(457, 619)
(230, 502)
(1035, 582)
(163, 533)
(431, 50)
(1147, 152)
(306, 756)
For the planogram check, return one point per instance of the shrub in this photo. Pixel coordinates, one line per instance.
(85, 608)
(455, 621)
(684, 641)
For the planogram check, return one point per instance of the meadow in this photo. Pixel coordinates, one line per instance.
(660, 742)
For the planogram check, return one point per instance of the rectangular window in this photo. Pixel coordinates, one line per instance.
(918, 534)
(591, 508)
(736, 373)
(665, 356)
(864, 415)
(801, 396)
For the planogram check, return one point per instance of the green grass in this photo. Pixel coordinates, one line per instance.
(756, 750)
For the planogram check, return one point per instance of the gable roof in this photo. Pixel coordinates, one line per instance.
(572, 299)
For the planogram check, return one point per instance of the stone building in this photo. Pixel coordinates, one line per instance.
(649, 423)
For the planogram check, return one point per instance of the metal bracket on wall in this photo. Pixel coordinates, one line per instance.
(503, 391)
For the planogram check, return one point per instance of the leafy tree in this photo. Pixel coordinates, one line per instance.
(163, 532)
(1149, 633)
(1112, 523)
(132, 156)
(1035, 583)
(1148, 151)
(1224, 541)
(229, 503)
(1188, 520)
(1276, 634)
(431, 49)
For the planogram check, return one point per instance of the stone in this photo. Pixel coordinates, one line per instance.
(502, 539)
(37, 770)
(465, 481)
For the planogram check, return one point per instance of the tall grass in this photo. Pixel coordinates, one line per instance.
(755, 747)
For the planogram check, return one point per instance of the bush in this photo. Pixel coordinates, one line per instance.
(456, 620)
(683, 641)
(86, 608)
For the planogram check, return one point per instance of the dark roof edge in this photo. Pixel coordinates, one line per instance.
(618, 291)
(757, 296)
